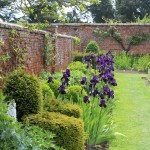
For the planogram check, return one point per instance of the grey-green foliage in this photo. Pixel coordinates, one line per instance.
(15, 136)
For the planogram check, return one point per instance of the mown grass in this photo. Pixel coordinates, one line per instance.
(132, 113)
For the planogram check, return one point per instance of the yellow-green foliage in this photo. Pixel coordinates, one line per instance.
(25, 89)
(73, 93)
(69, 130)
(54, 86)
(77, 65)
(54, 105)
(46, 91)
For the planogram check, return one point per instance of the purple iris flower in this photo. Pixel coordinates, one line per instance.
(104, 78)
(88, 59)
(111, 68)
(110, 75)
(95, 92)
(86, 99)
(68, 72)
(62, 89)
(83, 81)
(94, 80)
(102, 66)
(111, 94)
(65, 75)
(109, 53)
(66, 81)
(106, 89)
(111, 60)
(50, 79)
(101, 95)
(113, 82)
(106, 58)
(102, 103)
(92, 56)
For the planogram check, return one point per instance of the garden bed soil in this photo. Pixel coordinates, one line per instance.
(103, 146)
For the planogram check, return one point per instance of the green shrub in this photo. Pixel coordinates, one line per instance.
(1, 96)
(142, 62)
(92, 47)
(54, 105)
(78, 66)
(54, 86)
(122, 61)
(25, 90)
(77, 56)
(148, 65)
(69, 130)
(46, 91)
(76, 77)
(74, 92)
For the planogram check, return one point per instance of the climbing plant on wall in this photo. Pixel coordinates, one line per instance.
(114, 33)
(49, 51)
(17, 48)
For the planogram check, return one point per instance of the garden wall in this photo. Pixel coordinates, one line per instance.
(33, 43)
(85, 33)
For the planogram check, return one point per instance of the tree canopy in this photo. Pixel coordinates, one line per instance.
(41, 11)
(103, 9)
(50, 10)
(128, 11)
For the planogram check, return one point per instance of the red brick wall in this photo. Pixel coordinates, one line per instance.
(85, 32)
(35, 41)
(64, 45)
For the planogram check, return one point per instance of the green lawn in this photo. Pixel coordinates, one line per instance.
(132, 113)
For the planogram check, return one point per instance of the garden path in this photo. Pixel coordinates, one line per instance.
(132, 113)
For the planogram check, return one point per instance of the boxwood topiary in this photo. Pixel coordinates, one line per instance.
(73, 93)
(69, 130)
(93, 47)
(46, 91)
(54, 105)
(54, 86)
(25, 89)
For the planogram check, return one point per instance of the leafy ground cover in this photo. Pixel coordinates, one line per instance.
(132, 113)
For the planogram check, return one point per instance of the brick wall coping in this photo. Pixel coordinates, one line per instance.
(64, 36)
(98, 24)
(19, 27)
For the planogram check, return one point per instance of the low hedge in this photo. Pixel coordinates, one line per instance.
(69, 130)
(54, 105)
